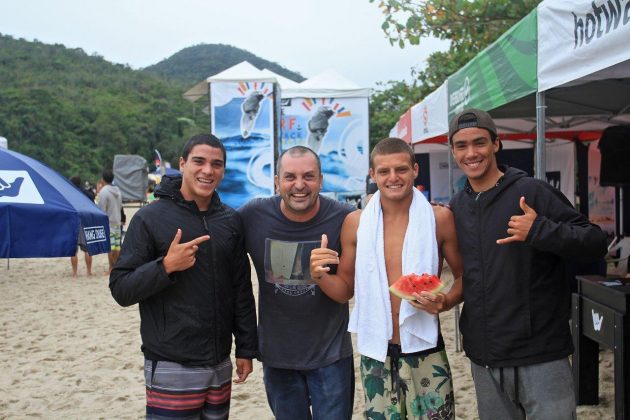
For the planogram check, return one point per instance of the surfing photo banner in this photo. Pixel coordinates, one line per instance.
(242, 117)
(336, 129)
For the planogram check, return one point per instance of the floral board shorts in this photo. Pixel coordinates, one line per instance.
(408, 386)
(115, 237)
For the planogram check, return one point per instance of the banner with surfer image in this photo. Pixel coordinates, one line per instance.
(242, 116)
(337, 129)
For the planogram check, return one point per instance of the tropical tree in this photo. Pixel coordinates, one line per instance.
(470, 26)
(388, 104)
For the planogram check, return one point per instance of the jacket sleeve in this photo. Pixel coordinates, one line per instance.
(562, 230)
(245, 336)
(138, 273)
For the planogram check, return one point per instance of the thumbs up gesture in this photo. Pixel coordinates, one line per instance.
(519, 225)
(321, 257)
(180, 256)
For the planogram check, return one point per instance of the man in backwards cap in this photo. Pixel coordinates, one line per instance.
(514, 232)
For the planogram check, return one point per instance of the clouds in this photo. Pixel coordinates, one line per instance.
(308, 36)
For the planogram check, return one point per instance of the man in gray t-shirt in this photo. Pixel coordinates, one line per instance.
(109, 200)
(304, 344)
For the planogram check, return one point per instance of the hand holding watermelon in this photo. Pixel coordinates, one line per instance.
(421, 291)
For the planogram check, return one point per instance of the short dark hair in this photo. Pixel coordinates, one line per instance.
(298, 151)
(76, 180)
(392, 145)
(207, 139)
(108, 176)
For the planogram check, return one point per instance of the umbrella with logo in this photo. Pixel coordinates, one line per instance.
(42, 214)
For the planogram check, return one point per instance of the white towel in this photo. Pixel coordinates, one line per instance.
(371, 317)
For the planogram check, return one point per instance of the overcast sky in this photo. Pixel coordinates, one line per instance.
(307, 36)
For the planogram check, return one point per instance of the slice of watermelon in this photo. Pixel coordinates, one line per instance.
(406, 285)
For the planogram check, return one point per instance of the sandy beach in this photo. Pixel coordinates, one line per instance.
(68, 351)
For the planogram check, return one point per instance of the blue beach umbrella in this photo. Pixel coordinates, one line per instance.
(42, 214)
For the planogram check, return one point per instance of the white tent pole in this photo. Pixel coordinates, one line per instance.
(451, 191)
(540, 164)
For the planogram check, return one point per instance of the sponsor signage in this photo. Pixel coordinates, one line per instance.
(581, 38)
(598, 322)
(18, 187)
(95, 234)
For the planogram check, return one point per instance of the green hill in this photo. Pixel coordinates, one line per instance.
(194, 64)
(75, 111)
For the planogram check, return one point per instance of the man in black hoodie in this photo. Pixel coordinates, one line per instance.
(514, 234)
(184, 262)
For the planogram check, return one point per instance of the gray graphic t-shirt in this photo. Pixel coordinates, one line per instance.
(299, 326)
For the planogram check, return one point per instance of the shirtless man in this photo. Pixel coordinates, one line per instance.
(427, 387)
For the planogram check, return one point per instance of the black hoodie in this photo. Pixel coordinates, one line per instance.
(516, 295)
(189, 316)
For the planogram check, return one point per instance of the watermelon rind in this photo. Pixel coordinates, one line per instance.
(395, 288)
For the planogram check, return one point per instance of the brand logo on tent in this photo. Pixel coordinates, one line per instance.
(94, 234)
(425, 119)
(18, 187)
(597, 320)
(460, 97)
(403, 131)
(599, 22)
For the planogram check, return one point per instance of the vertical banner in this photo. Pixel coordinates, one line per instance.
(560, 171)
(336, 129)
(601, 200)
(438, 164)
(242, 116)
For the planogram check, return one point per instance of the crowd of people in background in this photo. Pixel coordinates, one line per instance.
(108, 198)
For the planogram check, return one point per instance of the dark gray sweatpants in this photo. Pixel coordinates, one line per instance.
(542, 391)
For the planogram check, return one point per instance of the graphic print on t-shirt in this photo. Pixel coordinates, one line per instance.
(287, 265)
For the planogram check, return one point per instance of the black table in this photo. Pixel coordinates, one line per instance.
(601, 315)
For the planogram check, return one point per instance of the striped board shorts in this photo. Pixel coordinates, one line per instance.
(187, 392)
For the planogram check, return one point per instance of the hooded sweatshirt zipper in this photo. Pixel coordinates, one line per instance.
(212, 283)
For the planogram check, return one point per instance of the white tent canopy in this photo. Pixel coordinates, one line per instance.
(583, 73)
(282, 81)
(429, 117)
(241, 71)
(581, 41)
(328, 84)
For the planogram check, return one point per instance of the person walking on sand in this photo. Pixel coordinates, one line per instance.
(110, 201)
(305, 348)
(74, 260)
(404, 367)
(514, 234)
(184, 262)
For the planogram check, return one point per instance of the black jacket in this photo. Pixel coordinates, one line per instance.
(516, 295)
(189, 316)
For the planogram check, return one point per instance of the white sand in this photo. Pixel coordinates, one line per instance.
(68, 351)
